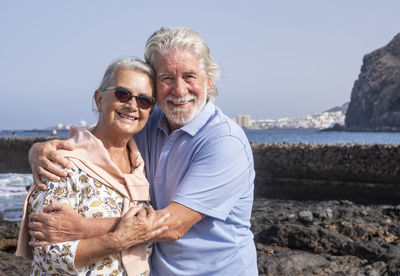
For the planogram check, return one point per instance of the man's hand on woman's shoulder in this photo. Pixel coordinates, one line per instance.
(42, 157)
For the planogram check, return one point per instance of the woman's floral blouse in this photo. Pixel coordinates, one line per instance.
(91, 199)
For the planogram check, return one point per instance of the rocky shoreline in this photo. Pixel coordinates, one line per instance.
(319, 209)
(296, 238)
(9, 263)
(326, 238)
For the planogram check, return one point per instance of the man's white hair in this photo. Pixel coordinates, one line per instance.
(168, 38)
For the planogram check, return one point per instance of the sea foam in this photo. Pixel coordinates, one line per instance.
(13, 190)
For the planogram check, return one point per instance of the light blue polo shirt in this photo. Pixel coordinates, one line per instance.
(207, 166)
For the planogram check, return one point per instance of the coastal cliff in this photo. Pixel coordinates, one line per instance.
(375, 98)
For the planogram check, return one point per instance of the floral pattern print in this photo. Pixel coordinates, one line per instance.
(91, 199)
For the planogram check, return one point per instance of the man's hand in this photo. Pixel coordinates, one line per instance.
(42, 157)
(63, 225)
(138, 227)
(180, 221)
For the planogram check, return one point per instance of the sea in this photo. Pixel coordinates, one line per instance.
(13, 186)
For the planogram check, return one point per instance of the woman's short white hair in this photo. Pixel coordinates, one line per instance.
(168, 38)
(131, 63)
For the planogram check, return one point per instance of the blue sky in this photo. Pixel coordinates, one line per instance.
(278, 58)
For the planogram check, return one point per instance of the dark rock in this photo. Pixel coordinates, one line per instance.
(347, 243)
(375, 98)
(342, 243)
(14, 153)
(9, 229)
(13, 265)
(335, 127)
(306, 216)
(9, 263)
(360, 173)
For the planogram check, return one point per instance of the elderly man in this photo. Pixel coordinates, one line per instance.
(198, 162)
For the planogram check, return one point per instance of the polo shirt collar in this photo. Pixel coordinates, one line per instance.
(193, 126)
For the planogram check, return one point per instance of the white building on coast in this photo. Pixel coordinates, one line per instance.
(316, 121)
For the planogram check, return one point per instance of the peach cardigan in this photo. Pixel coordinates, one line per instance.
(91, 156)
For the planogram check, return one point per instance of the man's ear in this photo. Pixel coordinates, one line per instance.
(97, 99)
(209, 84)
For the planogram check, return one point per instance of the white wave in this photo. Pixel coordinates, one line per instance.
(16, 179)
(14, 183)
(13, 189)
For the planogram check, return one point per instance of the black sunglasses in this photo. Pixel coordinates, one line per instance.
(124, 95)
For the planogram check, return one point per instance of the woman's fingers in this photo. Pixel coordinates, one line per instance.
(142, 215)
(55, 206)
(132, 211)
(151, 214)
(36, 243)
(36, 235)
(35, 226)
(39, 217)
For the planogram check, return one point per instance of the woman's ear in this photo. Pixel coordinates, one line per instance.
(97, 98)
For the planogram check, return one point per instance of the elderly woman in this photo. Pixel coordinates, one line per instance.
(106, 180)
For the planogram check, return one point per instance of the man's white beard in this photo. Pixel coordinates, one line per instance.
(182, 116)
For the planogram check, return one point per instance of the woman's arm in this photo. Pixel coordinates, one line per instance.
(59, 223)
(136, 227)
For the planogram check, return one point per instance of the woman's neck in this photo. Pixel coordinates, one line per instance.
(117, 147)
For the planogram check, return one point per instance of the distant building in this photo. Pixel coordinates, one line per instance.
(244, 120)
(83, 123)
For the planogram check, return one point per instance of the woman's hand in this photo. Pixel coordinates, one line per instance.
(42, 157)
(138, 227)
(63, 224)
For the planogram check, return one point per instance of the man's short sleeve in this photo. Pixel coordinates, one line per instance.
(221, 173)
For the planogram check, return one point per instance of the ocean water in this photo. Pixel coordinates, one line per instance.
(269, 136)
(12, 194)
(13, 186)
(321, 137)
(33, 133)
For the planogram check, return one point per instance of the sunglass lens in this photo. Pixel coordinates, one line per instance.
(123, 95)
(143, 102)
